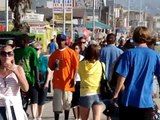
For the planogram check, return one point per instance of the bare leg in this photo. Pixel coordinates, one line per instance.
(84, 112)
(109, 118)
(40, 110)
(34, 110)
(76, 112)
(97, 111)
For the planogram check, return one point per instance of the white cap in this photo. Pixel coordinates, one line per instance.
(9, 42)
(92, 42)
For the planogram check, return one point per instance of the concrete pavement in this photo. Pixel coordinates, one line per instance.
(49, 115)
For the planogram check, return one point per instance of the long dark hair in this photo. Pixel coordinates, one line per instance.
(92, 52)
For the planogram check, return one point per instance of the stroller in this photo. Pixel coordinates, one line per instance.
(25, 100)
(156, 112)
(112, 109)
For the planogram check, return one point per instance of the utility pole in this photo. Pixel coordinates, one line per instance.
(128, 16)
(94, 6)
(64, 17)
(6, 7)
(114, 25)
(140, 13)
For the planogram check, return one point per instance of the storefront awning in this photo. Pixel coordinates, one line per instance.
(98, 24)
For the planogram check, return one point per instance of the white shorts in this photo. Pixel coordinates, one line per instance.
(61, 100)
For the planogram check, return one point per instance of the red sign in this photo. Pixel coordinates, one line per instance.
(2, 27)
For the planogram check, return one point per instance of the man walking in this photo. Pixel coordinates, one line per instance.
(136, 70)
(110, 53)
(26, 56)
(64, 61)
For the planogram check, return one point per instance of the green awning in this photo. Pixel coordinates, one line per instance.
(4, 36)
(15, 34)
(97, 25)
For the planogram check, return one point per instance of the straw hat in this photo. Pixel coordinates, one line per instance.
(37, 45)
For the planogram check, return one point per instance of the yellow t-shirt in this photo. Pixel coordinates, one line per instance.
(90, 74)
(68, 65)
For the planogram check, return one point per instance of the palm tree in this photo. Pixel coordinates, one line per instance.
(19, 7)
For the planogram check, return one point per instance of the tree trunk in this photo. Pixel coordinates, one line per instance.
(17, 18)
(19, 8)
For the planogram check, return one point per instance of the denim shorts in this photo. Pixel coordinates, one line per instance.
(90, 100)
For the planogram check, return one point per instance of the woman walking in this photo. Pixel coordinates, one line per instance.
(12, 78)
(90, 70)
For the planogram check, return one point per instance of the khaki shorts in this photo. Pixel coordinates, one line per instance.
(61, 100)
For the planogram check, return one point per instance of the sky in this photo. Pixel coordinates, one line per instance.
(152, 6)
(2, 4)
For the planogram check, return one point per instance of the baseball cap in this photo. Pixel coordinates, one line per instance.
(10, 42)
(61, 37)
(129, 44)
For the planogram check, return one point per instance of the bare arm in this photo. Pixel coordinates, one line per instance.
(119, 86)
(37, 76)
(19, 72)
(48, 78)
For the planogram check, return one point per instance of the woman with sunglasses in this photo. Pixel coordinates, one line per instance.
(40, 93)
(76, 93)
(12, 78)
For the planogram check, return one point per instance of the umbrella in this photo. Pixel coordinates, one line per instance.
(121, 30)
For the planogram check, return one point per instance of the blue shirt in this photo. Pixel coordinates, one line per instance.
(109, 55)
(138, 66)
(43, 66)
(52, 47)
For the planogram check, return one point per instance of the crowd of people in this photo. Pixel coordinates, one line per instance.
(75, 70)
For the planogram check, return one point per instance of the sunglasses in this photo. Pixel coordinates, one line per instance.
(83, 42)
(38, 49)
(76, 48)
(5, 54)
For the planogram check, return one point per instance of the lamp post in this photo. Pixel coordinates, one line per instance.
(6, 7)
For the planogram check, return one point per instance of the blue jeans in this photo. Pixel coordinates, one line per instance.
(90, 100)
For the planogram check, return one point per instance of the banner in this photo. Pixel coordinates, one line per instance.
(63, 15)
(60, 5)
(59, 17)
